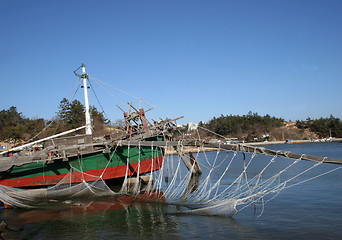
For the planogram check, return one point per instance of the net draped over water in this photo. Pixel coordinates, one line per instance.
(230, 182)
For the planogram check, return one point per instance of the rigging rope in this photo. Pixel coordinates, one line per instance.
(91, 87)
(76, 87)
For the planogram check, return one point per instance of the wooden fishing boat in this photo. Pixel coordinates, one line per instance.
(66, 167)
(89, 158)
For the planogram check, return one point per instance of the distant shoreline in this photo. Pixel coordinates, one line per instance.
(292, 142)
(188, 149)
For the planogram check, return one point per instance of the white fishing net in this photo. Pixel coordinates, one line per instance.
(230, 182)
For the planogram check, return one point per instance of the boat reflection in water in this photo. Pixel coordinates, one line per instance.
(111, 215)
(75, 209)
(118, 218)
(142, 215)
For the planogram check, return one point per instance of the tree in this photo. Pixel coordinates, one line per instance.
(250, 124)
(72, 115)
(63, 112)
(323, 126)
(14, 126)
(14, 133)
(97, 116)
(76, 114)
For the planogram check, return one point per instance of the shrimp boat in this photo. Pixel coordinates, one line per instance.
(91, 158)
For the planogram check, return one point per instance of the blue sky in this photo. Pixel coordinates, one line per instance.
(197, 58)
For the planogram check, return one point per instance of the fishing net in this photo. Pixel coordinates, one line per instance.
(230, 182)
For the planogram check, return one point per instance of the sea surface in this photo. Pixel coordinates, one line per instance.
(311, 210)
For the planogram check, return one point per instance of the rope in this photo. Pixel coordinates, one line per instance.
(75, 90)
(97, 99)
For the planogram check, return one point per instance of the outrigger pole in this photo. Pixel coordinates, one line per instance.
(42, 140)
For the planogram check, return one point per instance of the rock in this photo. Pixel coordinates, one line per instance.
(2, 226)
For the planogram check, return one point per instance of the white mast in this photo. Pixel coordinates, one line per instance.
(86, 101)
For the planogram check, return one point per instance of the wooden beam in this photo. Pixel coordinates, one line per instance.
(194, 167)
(266, 151)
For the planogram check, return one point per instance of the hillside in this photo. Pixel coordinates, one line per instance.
(253, 127)
(289, 131)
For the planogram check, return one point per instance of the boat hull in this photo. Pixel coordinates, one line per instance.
(116, 164)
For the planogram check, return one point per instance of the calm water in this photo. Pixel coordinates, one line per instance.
(311, 210)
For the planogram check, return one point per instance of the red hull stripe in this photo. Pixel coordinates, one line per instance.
(88, 176)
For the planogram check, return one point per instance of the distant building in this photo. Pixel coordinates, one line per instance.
(192, 126)
(5, 146)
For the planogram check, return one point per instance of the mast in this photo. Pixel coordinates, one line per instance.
(86, 101)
